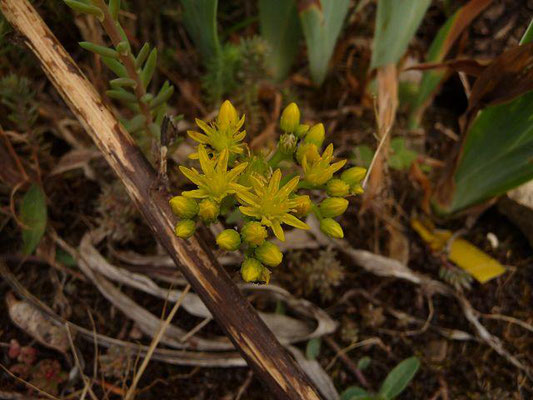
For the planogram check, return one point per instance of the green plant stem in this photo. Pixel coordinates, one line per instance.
(276, 159)
(128, 60)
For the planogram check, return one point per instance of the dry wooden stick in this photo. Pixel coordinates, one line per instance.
(257, 344)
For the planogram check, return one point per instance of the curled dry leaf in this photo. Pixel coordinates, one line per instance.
(36, 324)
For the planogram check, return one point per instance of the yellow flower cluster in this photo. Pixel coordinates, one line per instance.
(231, 178)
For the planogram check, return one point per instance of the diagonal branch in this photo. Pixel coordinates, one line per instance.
(236, 316)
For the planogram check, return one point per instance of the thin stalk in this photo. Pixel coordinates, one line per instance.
(128, 61)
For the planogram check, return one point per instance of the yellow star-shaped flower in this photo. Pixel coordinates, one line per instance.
(224, 134)
(216, 182)
(270, 204)
(319, 171)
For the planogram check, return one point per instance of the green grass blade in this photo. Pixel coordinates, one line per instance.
(280, 27)
(397, 22)
(321, 24)
(200, 19)
(33, 215)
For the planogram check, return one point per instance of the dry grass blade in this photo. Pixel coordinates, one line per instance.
(155, 341)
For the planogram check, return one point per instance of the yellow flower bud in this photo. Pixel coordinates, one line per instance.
(301, 130)
(333, 206)
(208, 210)
(229, 239)
(290, 118)
(254, 233)
(185, 228)
(331, 228)
(269, 254)
(357, 189)
(338, 188)
(227, 115)
(265, 276)
(303, 206)
(353, 175)
(316, 135)
(309, 150)
(184, 207)
(252, 270)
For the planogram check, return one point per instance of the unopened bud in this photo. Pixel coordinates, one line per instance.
(331, 228)
(338, 188)
(183, 207)
(301, 130)
(357, 189)
(208, 210)
(269, 254)
(303, 206)
(251, 270)
(227, 115)
(333, 206)
(185, 228)
(290, 118)
(353, 175)
(254, 233)
(316, 135)
(287, 144)
(229, 239)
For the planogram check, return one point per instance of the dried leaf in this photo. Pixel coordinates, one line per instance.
(507, 77)
(36, 324)
(74, 159)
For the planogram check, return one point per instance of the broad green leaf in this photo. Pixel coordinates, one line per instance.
(398, 379)
(321, 24)
(200, 20)
(528, 35)
(65, 258)
(355, 393)
(364, 363)
(397, 22)
(279, 25)
(312, 350)
(497, 153)
(401, 157)
(33, 215)
(439, 48)
(363, 155)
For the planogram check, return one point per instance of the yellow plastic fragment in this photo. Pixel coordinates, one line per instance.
(461, 252)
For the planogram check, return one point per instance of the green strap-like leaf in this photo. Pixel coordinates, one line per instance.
(321, 24)
(33, 215)
(396, 24)
(398, 379)
(200, 20)
(164, 94)
(280, 27)
(141, 57)
(115, 66)
(123, 82)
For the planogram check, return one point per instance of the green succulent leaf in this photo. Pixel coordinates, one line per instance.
(100, 50)
(149, 67)
(85, 8)
(122, 95)
(115, 66)
(33, 215)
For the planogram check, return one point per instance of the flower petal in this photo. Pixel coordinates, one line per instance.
(199, 137)
(196, 194)
(191, 174)
(293, 221)
(278, 231)
(273, 185)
